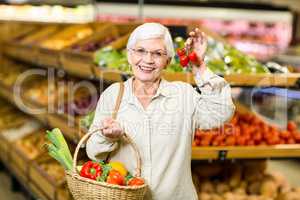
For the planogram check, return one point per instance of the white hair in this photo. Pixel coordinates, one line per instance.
(151, 31)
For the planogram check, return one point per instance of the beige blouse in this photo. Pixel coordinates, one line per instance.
(164, 131)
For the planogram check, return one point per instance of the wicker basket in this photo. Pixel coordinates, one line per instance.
(83, 188)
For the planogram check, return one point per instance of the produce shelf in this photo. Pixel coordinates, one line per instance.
(249, 80)
(81, 70)
(246, 152)
(53, 120)
(198, 153)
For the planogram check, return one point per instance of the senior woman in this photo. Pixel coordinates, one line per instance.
(160, 116)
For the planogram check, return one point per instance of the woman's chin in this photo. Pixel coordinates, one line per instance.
(145, 77)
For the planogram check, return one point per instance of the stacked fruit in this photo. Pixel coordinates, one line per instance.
(113, 173)
(247, 129)
(243, 180)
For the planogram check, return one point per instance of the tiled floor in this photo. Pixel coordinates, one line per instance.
(289, 168)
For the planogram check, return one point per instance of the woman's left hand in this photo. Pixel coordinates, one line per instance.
(197, 42)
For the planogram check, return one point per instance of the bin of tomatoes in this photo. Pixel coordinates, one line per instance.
(113, 172)
(247, 129)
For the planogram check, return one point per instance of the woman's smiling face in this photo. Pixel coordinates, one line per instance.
(148, 58)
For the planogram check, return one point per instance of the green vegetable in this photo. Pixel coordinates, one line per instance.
(87, 120)
(128, 177)
(58, 149)
(105, 172)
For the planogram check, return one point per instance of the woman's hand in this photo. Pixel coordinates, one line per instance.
(111, 129)
(197, 42)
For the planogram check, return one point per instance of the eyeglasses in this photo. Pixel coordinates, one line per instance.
(154, 54)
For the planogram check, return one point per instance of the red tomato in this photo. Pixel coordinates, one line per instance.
(257, 137)
(230, 141)
(222, 144)
(207, 136)
(250, 143)
(291, 141)
(198, 133)
(285, 134)
(136, 181)
(215, 143)
(291, 126)
(282, 141)
(114, 177)
(204, 142)
(263, 143)
(181, 52)
(184, 60)
(193, 57)
(241, 141)
(194, 143)
(296, 136)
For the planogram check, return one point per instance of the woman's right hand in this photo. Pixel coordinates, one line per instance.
(111, 128)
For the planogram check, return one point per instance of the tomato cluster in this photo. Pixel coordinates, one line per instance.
(185, 59)
(247, 129)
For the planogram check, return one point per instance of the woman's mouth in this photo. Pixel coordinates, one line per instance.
(146, 69)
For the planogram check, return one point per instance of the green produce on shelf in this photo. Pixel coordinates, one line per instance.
(113, 59)
(87, 120)
(220, 58)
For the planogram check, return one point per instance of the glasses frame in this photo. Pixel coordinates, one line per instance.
(152, 53)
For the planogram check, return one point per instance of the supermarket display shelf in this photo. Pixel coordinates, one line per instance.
(86, 69)
(198, 153)
(246, 152)
(72, 132)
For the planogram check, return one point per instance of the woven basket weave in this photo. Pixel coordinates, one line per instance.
(86, 189)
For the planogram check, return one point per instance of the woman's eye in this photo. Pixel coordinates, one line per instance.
(157, 54)
(140, 51)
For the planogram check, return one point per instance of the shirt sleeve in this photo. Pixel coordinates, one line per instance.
(98, 145)
(213, 106)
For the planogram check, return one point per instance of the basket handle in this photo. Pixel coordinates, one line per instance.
(125, 138)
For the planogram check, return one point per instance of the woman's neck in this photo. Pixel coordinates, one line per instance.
(145, 89)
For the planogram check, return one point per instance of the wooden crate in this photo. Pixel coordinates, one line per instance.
(21, 176)
(11, 50)
(81, 63)
(17, 51)
(107, 74)
(178, 76)
(48, 57)
(27, 53)
(19, 160)
(44, 32)
(44, 181)
(125, 28)
(38, 192)
(4, 149)
(68, 131)
(78, 63)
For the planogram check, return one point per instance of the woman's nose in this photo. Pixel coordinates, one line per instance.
(148, 58)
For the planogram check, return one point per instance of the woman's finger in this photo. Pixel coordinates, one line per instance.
(192, 34)
(107, 132)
